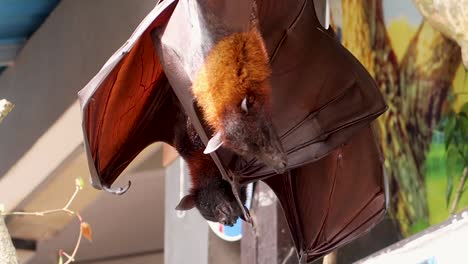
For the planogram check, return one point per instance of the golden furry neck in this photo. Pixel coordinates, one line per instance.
(237, 66)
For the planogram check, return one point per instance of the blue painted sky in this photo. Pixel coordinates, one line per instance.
(393, 9)
(401, 8)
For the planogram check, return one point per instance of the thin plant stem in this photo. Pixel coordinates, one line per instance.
(65, 209)
(77, 189)
(75, 250)
(42, 213)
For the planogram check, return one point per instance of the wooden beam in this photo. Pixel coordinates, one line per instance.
(271, 241)
(169, 155)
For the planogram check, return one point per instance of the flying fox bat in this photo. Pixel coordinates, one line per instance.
(210, 194)
(322, 103)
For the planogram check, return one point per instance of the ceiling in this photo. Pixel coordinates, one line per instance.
(19, 19)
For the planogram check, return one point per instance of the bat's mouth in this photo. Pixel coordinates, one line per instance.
(255, 136)
(272, 153)
(228, 221)
(228, 213)
(277, 162)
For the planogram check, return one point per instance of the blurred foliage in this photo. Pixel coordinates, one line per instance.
(419, 226)
(456, 146)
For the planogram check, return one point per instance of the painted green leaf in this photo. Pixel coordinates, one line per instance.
(60, 260)
(454, 163)
(461, 138)
(464, 108)
(449, 190)
(449, 130)
(419, 226)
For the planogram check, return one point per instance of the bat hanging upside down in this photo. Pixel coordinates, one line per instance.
(232, 89)
(210, 194)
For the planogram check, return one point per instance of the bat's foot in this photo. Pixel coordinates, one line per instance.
(302, 257)
(235, 190)
(118, 191)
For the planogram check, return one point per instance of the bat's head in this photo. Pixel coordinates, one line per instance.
(234, 92)
(247, 129)
(215, 202)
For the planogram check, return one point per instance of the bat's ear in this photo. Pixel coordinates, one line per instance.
(215, 142)
(187, 203)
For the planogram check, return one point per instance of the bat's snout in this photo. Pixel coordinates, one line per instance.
(280, 167)
(229, 221)
(273, 153)
(277, 161)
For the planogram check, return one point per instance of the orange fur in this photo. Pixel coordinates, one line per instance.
(237, 66)
(202, 169)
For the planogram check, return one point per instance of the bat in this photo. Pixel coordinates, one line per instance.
(210, 194)
(322, 104)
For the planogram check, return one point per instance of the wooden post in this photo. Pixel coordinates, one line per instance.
(270, 242)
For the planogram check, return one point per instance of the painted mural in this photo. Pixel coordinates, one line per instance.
(424, 133)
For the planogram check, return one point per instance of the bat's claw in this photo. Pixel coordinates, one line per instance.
(302, 257)
(247, 217)
(118, 191)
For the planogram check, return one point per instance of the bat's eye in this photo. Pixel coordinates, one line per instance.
(250, 100)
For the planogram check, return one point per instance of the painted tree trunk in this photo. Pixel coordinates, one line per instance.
(414, 91)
